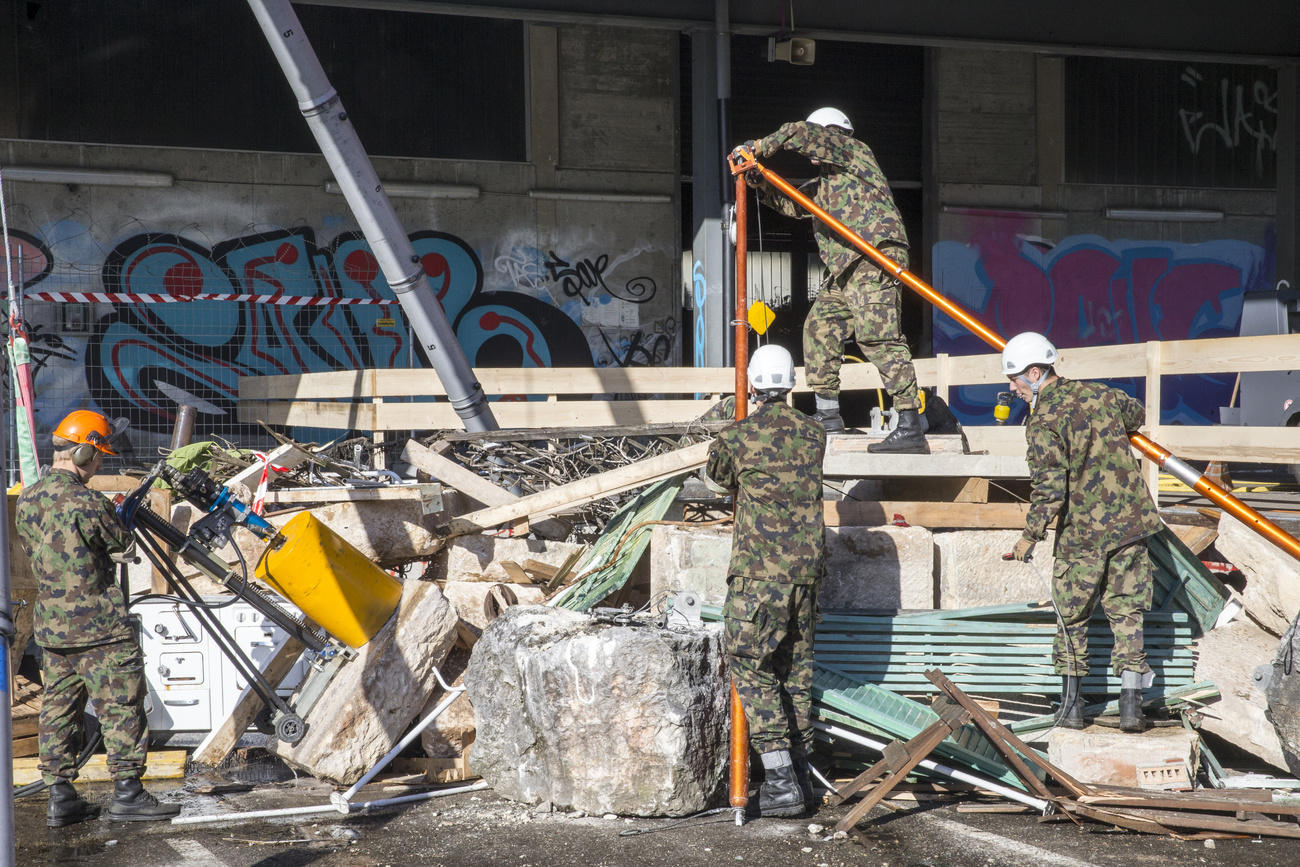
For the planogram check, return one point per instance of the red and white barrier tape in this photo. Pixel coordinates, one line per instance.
(259, 499)
(160, 298)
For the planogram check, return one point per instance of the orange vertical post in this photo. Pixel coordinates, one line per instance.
(739, 780)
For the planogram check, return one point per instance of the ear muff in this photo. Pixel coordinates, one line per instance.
(83, 454)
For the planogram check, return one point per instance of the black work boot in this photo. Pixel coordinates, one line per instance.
(1131, 718)
(67, 807)
(907, 438)
(131, 803)
(780, 795)
(830, 419)
(1070, 715)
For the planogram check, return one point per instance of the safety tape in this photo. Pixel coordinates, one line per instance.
(259, 499)
(159, 298)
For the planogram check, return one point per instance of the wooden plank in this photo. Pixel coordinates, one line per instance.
(425, 492)
(26, 746)
(222, 739)
(160, 765)
(969, 516)
(574, 494)
(874, 466)
(455, 475)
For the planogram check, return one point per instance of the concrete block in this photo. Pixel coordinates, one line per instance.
(972, 572)
(1272, 595)
(1227, 656)
(866, 567)
(682, 558)
(1115, 758)
(878, 567)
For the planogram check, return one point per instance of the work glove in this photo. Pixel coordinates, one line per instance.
(1023, 551)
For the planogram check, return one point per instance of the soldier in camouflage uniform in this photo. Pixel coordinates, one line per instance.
(88, 645)
(772, 460)
(857, 298)
(1085, 476)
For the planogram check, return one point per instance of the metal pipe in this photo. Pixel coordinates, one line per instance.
(326, 808)
(742, 302)
(328, 121)
(453, 693)
(7, 629)
(946, 770)
(1162, 457)
(183, 429)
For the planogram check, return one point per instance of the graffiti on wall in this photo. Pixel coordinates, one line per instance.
(279, 303)
(1090, 291)
(1237, 116)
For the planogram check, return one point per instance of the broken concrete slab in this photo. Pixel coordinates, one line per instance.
(1150, 759)
(972, 572)
(1272, 594)
(626, 719)
(469, 558)
(374, 698)
(1228, 656)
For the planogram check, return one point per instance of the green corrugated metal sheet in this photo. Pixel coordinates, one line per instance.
(612, 574)
(837, 695)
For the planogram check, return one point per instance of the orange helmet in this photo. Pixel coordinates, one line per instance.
(86, 426)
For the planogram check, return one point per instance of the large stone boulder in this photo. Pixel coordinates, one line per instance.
(1228, 656)
(588, 715)
(972, 572)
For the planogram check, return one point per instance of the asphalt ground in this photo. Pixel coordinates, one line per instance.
(478, 828)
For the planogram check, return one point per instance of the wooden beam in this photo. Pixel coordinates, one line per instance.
(968, 516)
(427, 492)
(561, 497)
(160, 765)
(455, 475)
(222, 739)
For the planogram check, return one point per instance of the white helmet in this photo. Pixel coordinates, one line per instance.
(1025, 350)
(831, 117)
(771, 369)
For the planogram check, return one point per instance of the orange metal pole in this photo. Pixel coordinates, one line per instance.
(743, 162)
(739, 757)
(742, 302)
(739, 788)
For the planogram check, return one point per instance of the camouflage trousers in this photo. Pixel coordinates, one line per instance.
(1122, 582)
(769, 642)
(111, 676)
(862, 303)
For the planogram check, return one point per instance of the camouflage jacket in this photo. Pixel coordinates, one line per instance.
(1083, 473)
(68, 531)
(851, 188)
(772, 459)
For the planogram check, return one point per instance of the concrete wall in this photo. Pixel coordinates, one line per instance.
(525, 280)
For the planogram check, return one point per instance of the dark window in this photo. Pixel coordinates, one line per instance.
(1185, 124)
(169, 74)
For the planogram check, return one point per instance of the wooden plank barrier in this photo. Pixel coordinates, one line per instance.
(414, 399)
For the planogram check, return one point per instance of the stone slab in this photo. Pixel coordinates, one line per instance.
(373, 699)
(1115, 758)
(972, 572)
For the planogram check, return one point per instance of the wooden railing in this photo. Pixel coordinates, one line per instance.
(391, 400)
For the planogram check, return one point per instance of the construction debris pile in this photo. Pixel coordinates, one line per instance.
(534, 645)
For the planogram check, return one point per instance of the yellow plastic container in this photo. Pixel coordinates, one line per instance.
(331, 581)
